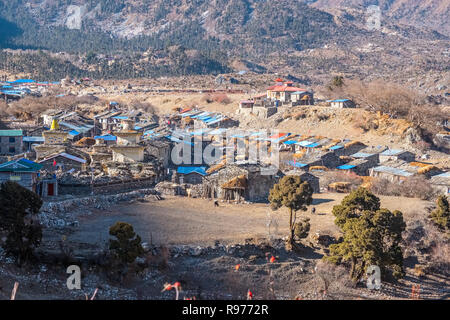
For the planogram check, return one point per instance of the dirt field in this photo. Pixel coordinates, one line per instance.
(211, 274)
(180, 220)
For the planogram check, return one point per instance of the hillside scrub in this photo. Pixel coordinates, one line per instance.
(33, 106)
(396, 101)
(411, 187)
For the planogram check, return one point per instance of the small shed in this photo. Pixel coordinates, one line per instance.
(342, 103)
(234, 189)
(190, 175)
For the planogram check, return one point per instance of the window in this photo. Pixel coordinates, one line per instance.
(12, 150)
(12, 140)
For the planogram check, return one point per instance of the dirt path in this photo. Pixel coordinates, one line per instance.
(179, 220)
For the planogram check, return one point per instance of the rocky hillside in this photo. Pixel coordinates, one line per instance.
(308, 39)
(434, 14)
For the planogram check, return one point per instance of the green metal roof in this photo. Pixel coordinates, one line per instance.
(20, 165)
(11, 133)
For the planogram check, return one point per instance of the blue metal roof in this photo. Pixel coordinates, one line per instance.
(296, 164)
(336, 147)
(74, 133)
(339, 100)
(18, 81)
(289, 142)
(346, 167)
(120, 117)
(188, 170)
(313, 145)
(107, 137)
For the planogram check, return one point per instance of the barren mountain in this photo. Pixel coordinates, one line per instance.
(434, 14)
(312, 40)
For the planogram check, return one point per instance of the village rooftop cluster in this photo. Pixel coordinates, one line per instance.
(67, 152)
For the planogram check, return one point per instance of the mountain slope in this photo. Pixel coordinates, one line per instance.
(433, 14)
(312, 40)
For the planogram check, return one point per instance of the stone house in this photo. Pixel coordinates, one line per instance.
(11, 142)
(308, 177)
(63, 161)
(190, 175)
(395, 155)
(359, 166)
(441, 183)
(160, 150)
(241, 182)
(22, 171)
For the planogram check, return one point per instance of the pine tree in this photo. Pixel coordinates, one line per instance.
(127, 245)
(441, 216)
(371, 236)
(293, 193)
(18, 209)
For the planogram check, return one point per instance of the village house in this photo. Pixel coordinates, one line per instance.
(64, 162)
(396, 154)
(30, 142)
(54, 140)
(240, 182)
(22, 171)
(314, 158)
(347, 148)
(361, 163)
(283, 92)
(11, 142)
(342, 103)
(159, 149)
(106, 119)
(190, 175)
(312, 179)
(441, 183)
(359, 166)
(390, 173)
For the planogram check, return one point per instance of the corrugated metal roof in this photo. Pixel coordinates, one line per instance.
(346, 167)
(362, 155)
(394, 171)
(188, 170)
(107, 137)
(304, 143)
(217, 131)
(312, 145)
(296, 164)
(65, 155)
(444, 175)
(11, 133)
(33, 139)
(20, 165)
(392, 152)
